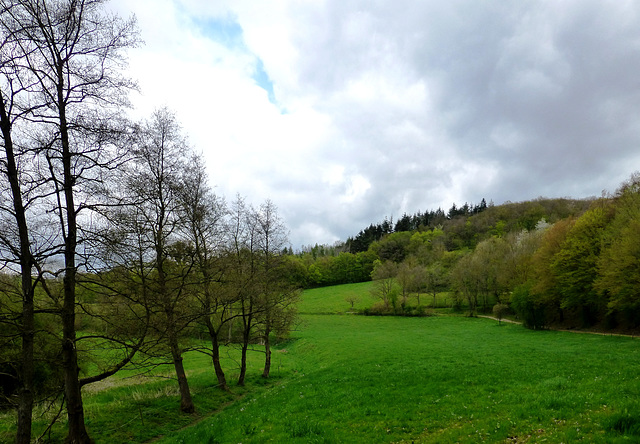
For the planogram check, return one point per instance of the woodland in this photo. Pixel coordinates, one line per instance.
(116, 254)
(559, 262)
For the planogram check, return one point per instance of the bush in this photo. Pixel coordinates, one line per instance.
(528, 308)
(500, 310)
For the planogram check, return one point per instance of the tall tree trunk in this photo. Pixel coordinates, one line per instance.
(75, 410)
(27, 331)
(246, 336)
(267, 349)
(186, 403)
(25, 394)
(247, 324)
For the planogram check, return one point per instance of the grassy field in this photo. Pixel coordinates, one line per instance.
(336, 300)
(437, 379)
(134, 408)
(441, 379)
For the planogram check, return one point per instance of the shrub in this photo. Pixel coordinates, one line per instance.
(528, 308)
(500, 310)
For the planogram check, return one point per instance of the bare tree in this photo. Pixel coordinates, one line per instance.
(384, 282)
(19, 251)
(276, 295)
(70, 56)
(164, 266)
(242, 275)
(204, 217)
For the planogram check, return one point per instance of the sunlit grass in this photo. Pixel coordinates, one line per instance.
(442, 379)
(337, 299)
(349, 378)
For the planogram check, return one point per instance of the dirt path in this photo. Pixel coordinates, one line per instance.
(566, 330)
(508, 321)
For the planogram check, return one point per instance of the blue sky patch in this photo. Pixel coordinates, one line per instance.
(262, 79)
(228, 32)
(225, 31)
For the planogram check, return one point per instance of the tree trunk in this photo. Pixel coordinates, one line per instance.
(25, 393)
(267, 351)
(77, 433)
(243, 359)
(247, 320)
(215, 356)
(186, 403)
(75, 410)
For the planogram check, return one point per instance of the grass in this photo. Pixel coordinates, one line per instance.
(335, 300)
(345, 378)
(439, 379)
(129, 408)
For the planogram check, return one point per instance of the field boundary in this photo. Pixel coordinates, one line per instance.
(585, 332)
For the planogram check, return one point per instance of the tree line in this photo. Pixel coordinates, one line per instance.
(430, 234)
(549, 261)
(114, 249)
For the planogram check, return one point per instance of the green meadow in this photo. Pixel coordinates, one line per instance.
(351, 378)
(436, 379)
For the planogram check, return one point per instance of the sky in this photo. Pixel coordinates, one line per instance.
(344, 113)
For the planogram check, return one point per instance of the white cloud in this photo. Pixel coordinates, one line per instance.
(387, 107)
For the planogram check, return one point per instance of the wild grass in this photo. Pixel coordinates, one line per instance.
(439, 379)
(348, 378)
(133, 408)
(337, 299)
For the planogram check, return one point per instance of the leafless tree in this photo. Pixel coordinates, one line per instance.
(204, 224)
(276, 296)
(70, 60)
(156, 179)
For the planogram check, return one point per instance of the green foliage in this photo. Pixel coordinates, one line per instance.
(342, 268)
(500, 311)
(618, 265)
(528, 307)
(575, 265)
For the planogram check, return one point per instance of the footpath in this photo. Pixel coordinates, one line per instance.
(509, 321)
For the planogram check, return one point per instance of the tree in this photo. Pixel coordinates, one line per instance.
(70, 68)
(204, 217)
(352, 299)
(575, 265)
(16, 239)
(277, 295)
(489, 258)
(543, 284)
(499, 310)
(618, 266)
(467, 277)
(384, 285)
(528, 307)
(435, 280)
(157, 178)
(242, 274)
(405, 276)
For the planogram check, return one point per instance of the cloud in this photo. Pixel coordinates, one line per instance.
(343, 113)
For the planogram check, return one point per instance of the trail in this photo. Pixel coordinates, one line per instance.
(565, 330)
